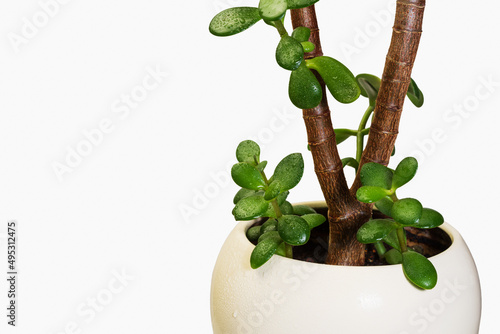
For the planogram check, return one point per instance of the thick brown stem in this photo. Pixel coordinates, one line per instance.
(395, 81)
(345, 213)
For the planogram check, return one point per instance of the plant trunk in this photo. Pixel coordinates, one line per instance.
(345, 213)
(395, 81)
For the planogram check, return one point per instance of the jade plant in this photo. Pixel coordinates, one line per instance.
(350, 208)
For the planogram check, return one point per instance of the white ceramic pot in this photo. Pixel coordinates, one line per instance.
(287, 296)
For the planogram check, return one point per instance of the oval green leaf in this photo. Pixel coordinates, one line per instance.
(369, 85)
(350, 162)
(289, 171)
(264, 251)
(294, 4)
(253, 233)
(289, 53)
(248, 151)
(407, 211)
(308, 47)
(385, 206)
(301, 34)
(234, 20)
(286, 208)
(304, 88)
(376, 175)
(272, 10)
(270, 234)
(282, 197)
(242, 193)
(375, 230)
(272, 191)
(270, 225)
(419, 270)
(392, 240)
(415, 94)
(430, 219)
(314, 219)
(250, 208)
(404, 172)
(301, 210)
(393, 256)
(294, 230)
(370, 194)
(247, 176)
(339, 79)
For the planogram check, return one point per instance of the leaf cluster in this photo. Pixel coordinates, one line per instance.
(259, 196)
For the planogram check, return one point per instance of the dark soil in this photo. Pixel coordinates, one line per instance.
(427, 242)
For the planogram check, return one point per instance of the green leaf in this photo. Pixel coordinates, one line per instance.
(270, 225)
(253, 233)
(377, 175)
(419, 270)
(314, 219)
(289, 171)
(369, 85)
(385, 205)
(270, 234)
(294, 4)
(282, 197)
(392, 240)
(304, 88)
(393, 152)
(339, 79)
(247, 176)
(248, 151)
(234, 20)
(264, 251)
(308, 47)
(286, 208)
(272, 23)
(393, 256)
(350, 162)
(242, 193)
(281, 251)
(272, 191)
(301, 210)
(272, 10)
(430, 219)
(260, 167)
(405, 171)
(415, 94)
(370, 194)
(375, 230)
(301, 34)
(289, 53)
(407, 211)
(250, 208)
(294, 230)
(343, 134)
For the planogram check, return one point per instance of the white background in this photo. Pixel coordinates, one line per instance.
(151, 199)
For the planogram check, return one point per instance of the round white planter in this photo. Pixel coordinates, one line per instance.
(287, 296)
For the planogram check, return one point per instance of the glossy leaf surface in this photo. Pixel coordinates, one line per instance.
(250, 208)
(272, 10)
(376, 175)
(289, 53)
(304, 88)
(294, 230)
(264, 251)
(419, 270)
(234, 20)
(415, 94)
(338, 78)
(430, 219)
(248, 151)
(247, 176)
(314, 219)
(301, 34)
(289, 171)
(294, 4)
(404, 172)
(407, 211)
(370, 194)
(375, 230)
